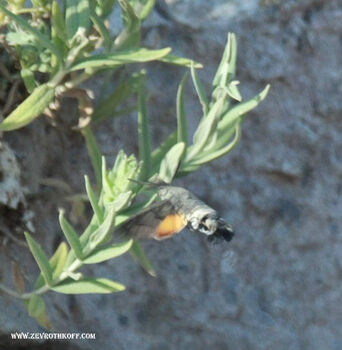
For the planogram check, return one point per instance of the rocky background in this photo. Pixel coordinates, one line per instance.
(278, 284)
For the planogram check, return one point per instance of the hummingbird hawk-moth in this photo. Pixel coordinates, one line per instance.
(177, 209)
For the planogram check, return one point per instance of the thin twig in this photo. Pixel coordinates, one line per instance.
(8, 234)
(12, 96)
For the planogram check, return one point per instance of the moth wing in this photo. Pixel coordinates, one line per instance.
(158, 221)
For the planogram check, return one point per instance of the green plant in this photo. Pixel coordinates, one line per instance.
(58, 50)
(113, 202)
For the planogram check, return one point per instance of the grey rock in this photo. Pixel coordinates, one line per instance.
(277, 285)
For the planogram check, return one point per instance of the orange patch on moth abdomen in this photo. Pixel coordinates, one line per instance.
(171, 225)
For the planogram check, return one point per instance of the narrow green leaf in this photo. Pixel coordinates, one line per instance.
(106, 185)
(146, 10)
(210, 156)
(89, 286)
(36, 309)
(57, 21)
(44, 41)
(120, 162)
(84, 239)
(36, 305)
(159, 153)
(122, 200)
(93, 225)
(206, 128)
(110, 252)
(77, 15)
(102, 29)
(232, 56)
(57, 263)
(94, 202)
(105, 7)
(119, 58)
(241, 108)
(71, 235)
(57, 260)
(129, 16)
(171, 162)
(29, 80)
(233, 91)
(30, 109)
(200, 90)
(103, 232)
(139, 256)
(40, 258)
(226, 69)
(143, 133)
(94, 154)
(182, 127)
(180, 61)
(130, 35)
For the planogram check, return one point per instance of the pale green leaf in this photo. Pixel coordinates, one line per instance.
(58, 259)
(233, 91)
(105, 7)
(30, 109)
(77, 16)
(206, 128)
(36, 309)
(71, 236)
(119, 58)
(88, 286)
(180, 61)
(210, 156)
(57, 21)
(130, 35)
(146, 10)
(182, 127)
(240, 109)
(159, 153)
(139, 256)
(36, 305)
(171, 162)
(103, 232)
(143, 132)
(200, 90)
(122, 200)
(94, 202)
(102, 29)
(40, 258)
(226, 69)
(110, 252)
(57, 263)
(29, 80)
(94, 153)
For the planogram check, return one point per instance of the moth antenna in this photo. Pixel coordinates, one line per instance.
(157, 183)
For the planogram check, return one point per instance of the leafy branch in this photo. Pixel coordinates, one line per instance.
(65, 49)
(70, 60)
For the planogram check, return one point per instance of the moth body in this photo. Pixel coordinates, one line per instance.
(177, 209)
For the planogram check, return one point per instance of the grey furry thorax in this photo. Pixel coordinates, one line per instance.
(200, 217)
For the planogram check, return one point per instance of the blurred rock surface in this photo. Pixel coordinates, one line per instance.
(278, 284)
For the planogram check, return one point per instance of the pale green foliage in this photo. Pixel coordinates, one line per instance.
(63, 45)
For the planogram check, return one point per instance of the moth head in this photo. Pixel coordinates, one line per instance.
(208, 224)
